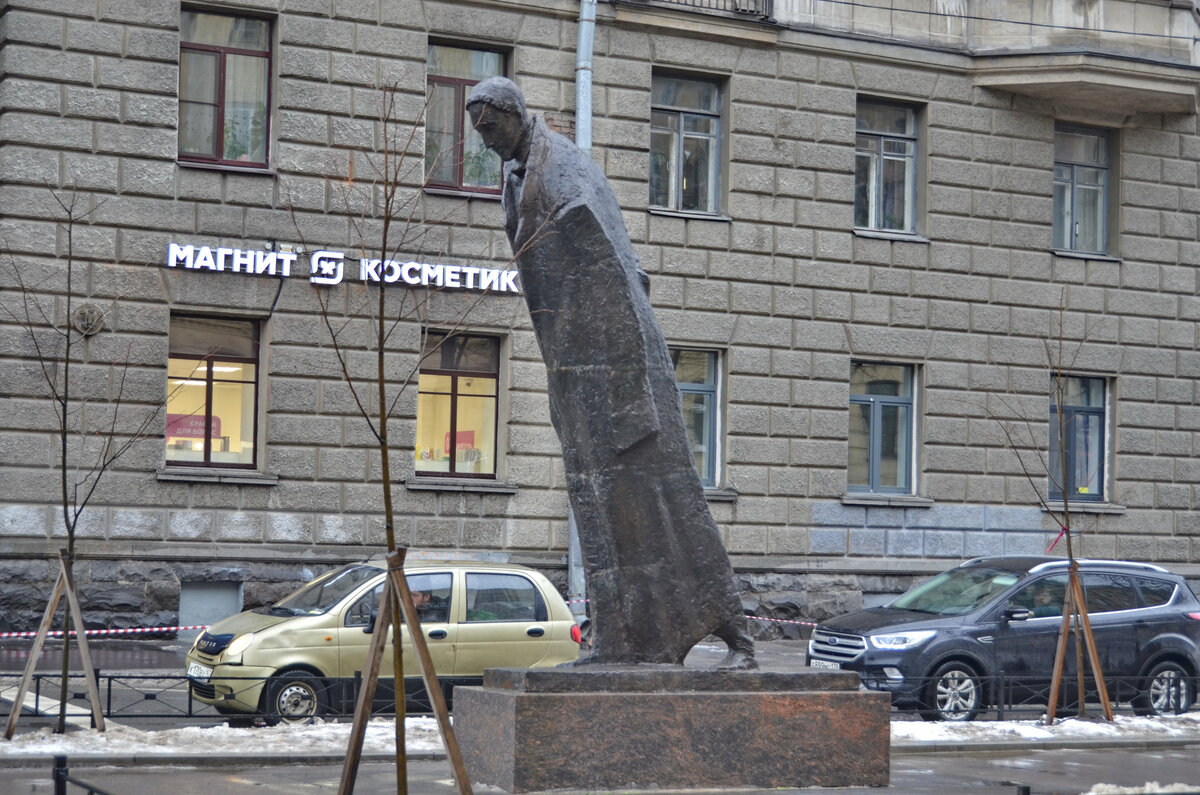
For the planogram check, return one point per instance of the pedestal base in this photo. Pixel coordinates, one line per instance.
(668, 727)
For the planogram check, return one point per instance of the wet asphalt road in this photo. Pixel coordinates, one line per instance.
(1063, 772)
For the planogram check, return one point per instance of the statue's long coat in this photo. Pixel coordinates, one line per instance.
(658, 576)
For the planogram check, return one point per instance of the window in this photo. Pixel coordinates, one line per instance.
(212, 392)
(1043, 597)
(431, 596)
(885, 167)
(1081, 165)
(503, 597)
(1081, 435)
(696, 377)
(881, 427)
(224, 88)
(455, 156)
(456, 406)
(1107, 593)
(685, 144)
(1155, 593)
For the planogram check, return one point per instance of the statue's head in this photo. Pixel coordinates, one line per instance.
(498, 113)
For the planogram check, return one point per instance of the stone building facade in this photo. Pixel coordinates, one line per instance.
(887, 233)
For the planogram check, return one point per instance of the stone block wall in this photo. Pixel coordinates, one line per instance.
(779, 283)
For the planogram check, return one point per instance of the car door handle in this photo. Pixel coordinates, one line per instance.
(535, 632)
(437, 634)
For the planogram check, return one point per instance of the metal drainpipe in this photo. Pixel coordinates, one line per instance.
(583, 74)
(576, 580)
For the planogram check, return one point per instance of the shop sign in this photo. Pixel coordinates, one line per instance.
(192, 426)
(330, 267)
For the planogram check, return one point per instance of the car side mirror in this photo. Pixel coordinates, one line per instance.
(1017, 613)
(370, 627)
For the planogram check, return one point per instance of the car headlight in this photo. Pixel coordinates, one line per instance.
(902, 640)
(239, 644)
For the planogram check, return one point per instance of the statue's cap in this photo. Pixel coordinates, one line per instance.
(499, 92)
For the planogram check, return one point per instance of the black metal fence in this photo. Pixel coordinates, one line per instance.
(750, 8)
(143, 696)
(1015, 697)
(62, 777)
(153, 696)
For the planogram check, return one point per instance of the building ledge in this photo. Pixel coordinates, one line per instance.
(886, 500)
(1092, 80)
(459, 484)
(240, 477)
(1082, 506)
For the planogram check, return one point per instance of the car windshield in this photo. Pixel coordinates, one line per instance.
(323, 593)
(955, 592)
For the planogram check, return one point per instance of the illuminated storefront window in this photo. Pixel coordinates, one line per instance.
(456, 406)
(212, 392)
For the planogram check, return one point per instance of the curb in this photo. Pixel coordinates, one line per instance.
(1065, 743)
(268, 760)
(203, 760)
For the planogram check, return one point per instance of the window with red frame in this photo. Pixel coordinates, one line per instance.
(457, 391)
(455, 157)
(224, 89)
(212, 392)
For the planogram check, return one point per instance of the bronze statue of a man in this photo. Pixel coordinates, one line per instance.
(658, 576)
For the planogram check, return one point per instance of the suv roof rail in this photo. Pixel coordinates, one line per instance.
(1122, 564)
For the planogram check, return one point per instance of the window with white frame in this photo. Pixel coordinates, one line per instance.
(697, 376)
(1077, 438)
(457, 393)
(1081, 180)
(885, 166)
(685, 144)
(212, 392)
(455, 156)
(881, 439)
(224, 88)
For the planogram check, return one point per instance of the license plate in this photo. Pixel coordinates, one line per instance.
(198, 671)
(823, 664)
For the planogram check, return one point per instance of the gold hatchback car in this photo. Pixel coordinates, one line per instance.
(300, 657)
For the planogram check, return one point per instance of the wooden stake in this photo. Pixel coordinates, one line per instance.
(1093, 655)
(433, 687)
(1075, 604)
(398, 584)
(62, 585)
(362, 710)
(1060, 654)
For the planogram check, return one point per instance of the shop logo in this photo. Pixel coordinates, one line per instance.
(327, 267)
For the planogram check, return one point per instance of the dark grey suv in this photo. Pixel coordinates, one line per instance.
(938, 646)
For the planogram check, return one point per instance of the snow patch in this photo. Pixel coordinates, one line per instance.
(421, 736)
(1183, 726)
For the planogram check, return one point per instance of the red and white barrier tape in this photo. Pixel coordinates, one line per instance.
(160, 630)
(132, 631)
(783, 621)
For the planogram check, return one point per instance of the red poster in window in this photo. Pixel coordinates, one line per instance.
(191, 426)
(463, 440)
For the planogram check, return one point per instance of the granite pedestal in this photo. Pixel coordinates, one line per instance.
(598, 728)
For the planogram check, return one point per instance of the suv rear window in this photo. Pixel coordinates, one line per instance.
(1155, 592)
(1106, 593)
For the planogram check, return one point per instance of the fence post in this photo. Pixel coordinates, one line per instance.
(60, 775)
(1001, 696)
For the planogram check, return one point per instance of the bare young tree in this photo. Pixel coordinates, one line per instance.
(384, 195)
(94, 423)
(1041, 452)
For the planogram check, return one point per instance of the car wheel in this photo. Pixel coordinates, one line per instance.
(954, 692)
(295, 697)
(1167, 691)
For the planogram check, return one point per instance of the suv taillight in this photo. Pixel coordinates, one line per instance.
(1193, 616)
